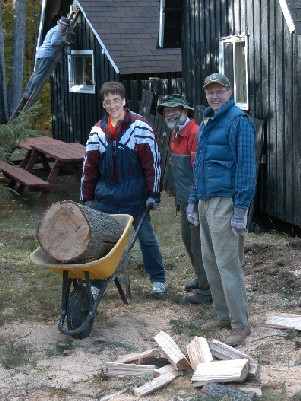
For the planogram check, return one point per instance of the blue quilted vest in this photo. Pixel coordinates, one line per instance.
(215, 164)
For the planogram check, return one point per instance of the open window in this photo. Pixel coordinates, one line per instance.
(81, 71)
(233, 63)
(170, 23)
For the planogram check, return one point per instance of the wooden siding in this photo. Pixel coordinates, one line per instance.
(75, 113)
(274, 69)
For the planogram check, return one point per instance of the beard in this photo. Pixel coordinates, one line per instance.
(171, 124)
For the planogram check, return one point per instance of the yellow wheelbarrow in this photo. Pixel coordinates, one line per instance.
(78, 305)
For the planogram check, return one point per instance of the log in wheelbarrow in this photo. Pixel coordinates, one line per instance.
(78, 304)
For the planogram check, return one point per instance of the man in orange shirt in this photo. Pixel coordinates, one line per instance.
(122, 173)
(183, 147)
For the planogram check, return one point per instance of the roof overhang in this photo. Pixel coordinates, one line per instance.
(291, 10)
(104, 49)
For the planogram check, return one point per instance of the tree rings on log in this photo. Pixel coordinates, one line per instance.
(71, 232)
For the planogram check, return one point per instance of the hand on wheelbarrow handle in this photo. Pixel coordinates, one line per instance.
(153, 200)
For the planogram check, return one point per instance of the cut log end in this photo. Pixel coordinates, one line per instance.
(71, 232)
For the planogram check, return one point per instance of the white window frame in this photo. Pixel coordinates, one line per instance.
(161, 23)
(84, 87)
(235, 39)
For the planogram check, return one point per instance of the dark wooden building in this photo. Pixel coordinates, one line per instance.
(257, 44)
(113, 40)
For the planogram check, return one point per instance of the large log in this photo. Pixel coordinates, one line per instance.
(71, 232)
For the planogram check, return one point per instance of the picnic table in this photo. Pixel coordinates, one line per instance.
(46, 159)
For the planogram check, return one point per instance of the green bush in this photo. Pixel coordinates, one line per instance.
(20, 128)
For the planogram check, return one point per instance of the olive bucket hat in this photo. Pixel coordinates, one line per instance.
(173, 101)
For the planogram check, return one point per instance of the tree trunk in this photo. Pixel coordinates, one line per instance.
(3, 93)
(17, 56)
(71, 232)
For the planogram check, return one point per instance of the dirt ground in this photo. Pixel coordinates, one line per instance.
(66, 369)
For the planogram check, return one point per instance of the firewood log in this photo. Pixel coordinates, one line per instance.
(70, 232)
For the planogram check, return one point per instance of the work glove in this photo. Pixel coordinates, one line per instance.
(192, 214)
(239, 222)
(89, 203)
(153, 200)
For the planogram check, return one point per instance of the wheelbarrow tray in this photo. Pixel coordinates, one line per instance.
(98, 269)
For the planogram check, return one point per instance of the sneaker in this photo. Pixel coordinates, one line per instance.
(193, 285)
(95, 291)
(26, 96)
(158, 288)
(237, 336)
(217, 324)
(198, 299)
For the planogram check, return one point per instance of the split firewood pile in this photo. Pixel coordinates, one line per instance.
(73, 233)
(213, 362)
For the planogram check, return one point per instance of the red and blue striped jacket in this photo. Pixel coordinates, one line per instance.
(135, 153)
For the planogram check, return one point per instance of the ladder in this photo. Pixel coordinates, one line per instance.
(26, 103)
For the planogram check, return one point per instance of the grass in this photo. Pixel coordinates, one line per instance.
(14, 355)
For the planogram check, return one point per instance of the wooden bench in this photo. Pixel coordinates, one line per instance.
(20, 178)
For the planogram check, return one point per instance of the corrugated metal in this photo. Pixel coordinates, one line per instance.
(274, 86)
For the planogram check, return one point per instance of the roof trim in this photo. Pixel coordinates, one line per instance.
(104, 49)
(41, 23)
(287, 15)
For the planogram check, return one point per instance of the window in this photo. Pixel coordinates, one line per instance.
(170, 23)
(233, 64)
(81, 71)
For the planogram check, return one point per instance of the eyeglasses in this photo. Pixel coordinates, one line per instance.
(113, 102)
(217, 93)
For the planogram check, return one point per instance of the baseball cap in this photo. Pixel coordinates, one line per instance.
(217, 78)
(173, 101)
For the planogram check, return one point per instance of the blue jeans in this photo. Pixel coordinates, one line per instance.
(152, 258)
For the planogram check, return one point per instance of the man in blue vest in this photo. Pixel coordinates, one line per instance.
(224, 186)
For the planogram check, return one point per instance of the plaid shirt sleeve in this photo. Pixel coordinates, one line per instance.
(242, 143)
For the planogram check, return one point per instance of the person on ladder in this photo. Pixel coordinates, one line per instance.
(45, 55)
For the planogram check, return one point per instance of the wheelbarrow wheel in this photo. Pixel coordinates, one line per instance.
(78, 310)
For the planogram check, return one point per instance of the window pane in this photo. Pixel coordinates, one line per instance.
(88, 71)
(77, 70)
(240, 72)
(228, 59)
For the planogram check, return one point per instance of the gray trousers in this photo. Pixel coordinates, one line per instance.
(40, 69)
(222, 257)
(191, 239)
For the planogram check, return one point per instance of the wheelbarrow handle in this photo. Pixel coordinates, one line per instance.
(133, 240)
(122, 265)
